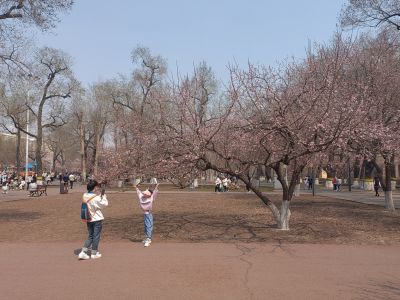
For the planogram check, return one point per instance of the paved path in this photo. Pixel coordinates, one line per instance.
(361, 196)
(200, 271)
(356, 195)
(52, 190)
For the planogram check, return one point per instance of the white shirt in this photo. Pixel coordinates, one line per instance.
(95, 205)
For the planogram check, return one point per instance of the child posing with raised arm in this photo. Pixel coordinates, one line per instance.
(146, 199)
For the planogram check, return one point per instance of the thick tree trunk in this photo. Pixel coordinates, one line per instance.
(297, 190)
(39, 139)
(96, 154)
(389, 204)
(82, 150)
(288, 189)
(18, 152)
(54, 162)
(38, 150)
(284, 216)
(115, 136)
(62, 162)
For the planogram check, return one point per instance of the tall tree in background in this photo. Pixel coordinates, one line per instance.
(12, 113)
(43, 13)
(271, 118)
(146, 79)
(53, 82)
(80, 118)
(371, 13)
(377, 67)
(17, 17)
(100, 115)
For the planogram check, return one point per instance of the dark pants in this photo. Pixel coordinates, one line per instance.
(94, 230)
(376, 188)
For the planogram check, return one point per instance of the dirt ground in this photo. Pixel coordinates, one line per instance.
(205, 246)
(201, 217)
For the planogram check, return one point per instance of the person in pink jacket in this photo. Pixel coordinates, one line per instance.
(146, 199)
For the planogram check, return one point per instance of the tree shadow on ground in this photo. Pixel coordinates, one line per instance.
(380, 290)
(348, 210)
(194, 227)
(17, 215)
(319, 220)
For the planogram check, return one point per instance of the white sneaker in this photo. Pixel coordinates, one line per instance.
(147, 242)
(94, 256)
(83, 255)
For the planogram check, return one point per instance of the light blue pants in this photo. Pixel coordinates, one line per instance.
(148, 225)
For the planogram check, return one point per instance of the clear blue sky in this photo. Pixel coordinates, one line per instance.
(100, 35)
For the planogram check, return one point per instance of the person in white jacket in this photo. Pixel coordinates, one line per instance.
(146, 199)
(95, 204)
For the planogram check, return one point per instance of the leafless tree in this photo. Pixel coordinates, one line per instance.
(13, 112)
(52, 83)
(100, 115)
(146, 79)
(43, 14)
(371, 13)
(17, 17)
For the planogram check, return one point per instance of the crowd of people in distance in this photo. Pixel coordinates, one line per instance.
(14, 181)
(224, 183)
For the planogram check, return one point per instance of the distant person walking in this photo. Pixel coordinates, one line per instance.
(218, 183)
(146, 199)
(71, 178)
(338, 184)
(5, 187)
(306, 182)
(65, 179)
(377, 184)
(334, 183)
(310, 182)
(225, 184)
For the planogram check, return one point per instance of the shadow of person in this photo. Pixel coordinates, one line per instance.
(134, 240)
(77, 251)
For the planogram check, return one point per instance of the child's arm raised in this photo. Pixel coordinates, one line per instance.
(138, 192)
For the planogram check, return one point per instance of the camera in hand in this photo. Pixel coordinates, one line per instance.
(103, 187)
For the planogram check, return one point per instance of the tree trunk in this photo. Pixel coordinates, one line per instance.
(297, 190)
(39, 139)
(38, 150)
(115, 136)
(54, 162)
(18, 152)
(62, 162)
(389, 204)
(82, 150)
(96, 154)
(283, 223)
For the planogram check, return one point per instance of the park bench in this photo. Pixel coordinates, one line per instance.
(38, 191)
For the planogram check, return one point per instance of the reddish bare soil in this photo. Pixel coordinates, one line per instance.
(205, 246)
(201, 217)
